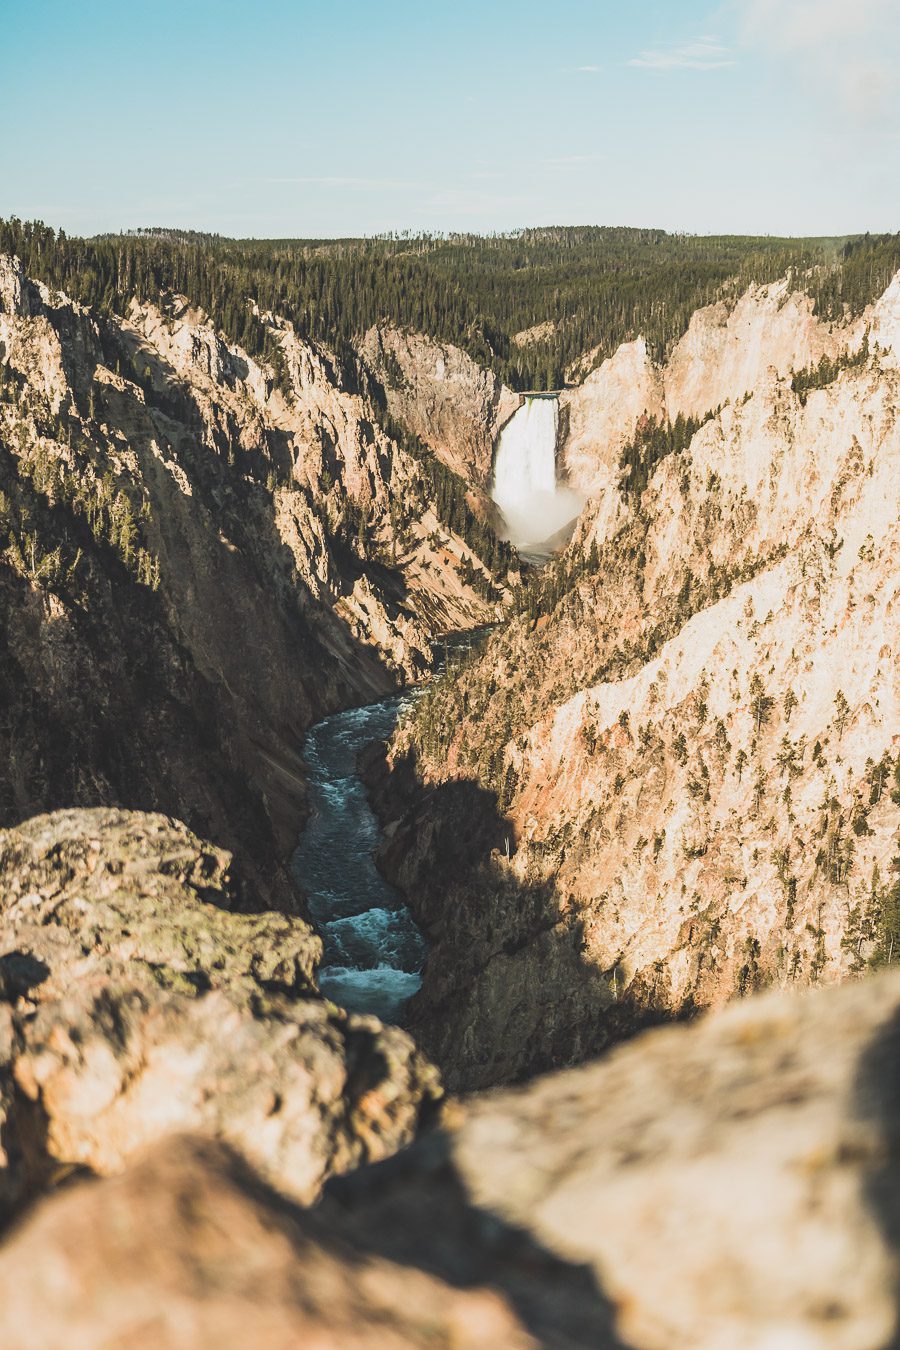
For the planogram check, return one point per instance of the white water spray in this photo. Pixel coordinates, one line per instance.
(534, 505)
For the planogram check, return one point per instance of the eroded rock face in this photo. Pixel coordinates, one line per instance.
(694, 748)
(444, 397)
(198, 558)
(142, 995)
(730, 349)
(600, 415)
(733, 1183)
(188, 1251)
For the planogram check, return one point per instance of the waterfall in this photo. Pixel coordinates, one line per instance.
(534, 505)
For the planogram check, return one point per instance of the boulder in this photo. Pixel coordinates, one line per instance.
(731, 1183)
(137, 1003)
(187, 1250)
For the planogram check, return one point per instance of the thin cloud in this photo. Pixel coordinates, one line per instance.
(588, 70)
(335, 181)
(844, 51)
(701, 53)
(567, 161)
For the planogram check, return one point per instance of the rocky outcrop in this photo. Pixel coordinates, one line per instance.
(188, 1251)
(538, 332)
(683, 764)
(600, 415)
(730, 349)
(884, 324)
(201, 554)
(442, 396)
(734, 1183)
(144, 992)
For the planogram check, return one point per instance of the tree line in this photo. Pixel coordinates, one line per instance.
(595, 286)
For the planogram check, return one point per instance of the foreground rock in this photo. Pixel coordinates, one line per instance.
(731, 1184)
(188, 1250)
(141, 997)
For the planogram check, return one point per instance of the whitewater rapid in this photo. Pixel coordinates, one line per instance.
(373, 950)
(535, 506)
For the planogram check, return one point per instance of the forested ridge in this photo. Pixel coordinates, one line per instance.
(594, 286)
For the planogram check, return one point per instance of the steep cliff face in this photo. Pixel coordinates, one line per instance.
(201, 554)
(729, 350)
(441, 395)
(683, 752)
(600, 415)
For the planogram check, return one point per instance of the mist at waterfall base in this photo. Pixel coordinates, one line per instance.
(535, 506)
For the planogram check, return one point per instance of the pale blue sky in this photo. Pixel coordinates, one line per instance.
(284, 117)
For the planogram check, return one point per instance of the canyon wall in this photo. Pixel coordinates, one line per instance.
(442, 396)
(730, 349)
(675, 774)
(201, 553)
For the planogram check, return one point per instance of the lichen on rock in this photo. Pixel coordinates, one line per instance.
(142, 995)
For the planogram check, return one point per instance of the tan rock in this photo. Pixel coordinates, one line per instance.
(538, 332)
(141, 1001)
(733, 1183)
(599, 417)
(187, 1251)
(729, 349)
(441, 395)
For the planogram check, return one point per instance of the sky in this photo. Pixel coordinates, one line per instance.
(346, 117)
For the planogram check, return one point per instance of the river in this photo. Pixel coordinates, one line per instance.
(373, 950)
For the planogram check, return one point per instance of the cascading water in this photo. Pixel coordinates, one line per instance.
(373, 949)
(535, 506)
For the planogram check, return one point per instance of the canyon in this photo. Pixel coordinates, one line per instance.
(248, 545)
(674, 768)
(202, 557)
(662, 786)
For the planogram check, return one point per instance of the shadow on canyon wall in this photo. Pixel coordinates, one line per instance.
(877, 1101)
(193, 699)
(507, 989)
